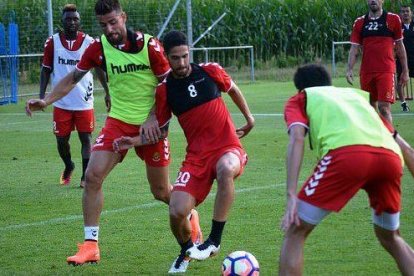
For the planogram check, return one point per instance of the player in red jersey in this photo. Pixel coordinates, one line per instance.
(349, 160)
(192, 93)
(376, 33)
(134, 63)
(62, 51)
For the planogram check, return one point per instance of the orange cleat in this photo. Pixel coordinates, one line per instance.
(66, 176)
(88, 253)
(196, 234)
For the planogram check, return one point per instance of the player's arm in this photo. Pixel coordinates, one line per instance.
(294, 159)
(402, 57)
(238, 98)
(47, 65)
(102, 79)
(63, 88)
(150, 129)
(352, 58)
(407, 151)
(126, 142)
(44, 80)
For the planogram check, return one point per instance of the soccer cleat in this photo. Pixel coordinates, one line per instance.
(180, 264)
(66, 175)
(88, 253)
(203, 251)
(196, 234)
(405, 107)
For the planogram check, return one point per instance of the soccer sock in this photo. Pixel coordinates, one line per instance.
(68, 163)
(91, 233)
(64, 151)
(216, 231)
(186, 245)
(84, 166)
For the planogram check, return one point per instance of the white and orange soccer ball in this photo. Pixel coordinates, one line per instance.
(240, 263)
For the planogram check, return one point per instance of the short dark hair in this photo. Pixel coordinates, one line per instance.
(69, 8)
(405, 6)
(103, 7)
(173, 39)
(311, 75)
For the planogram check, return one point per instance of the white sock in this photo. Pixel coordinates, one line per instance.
(91, 233)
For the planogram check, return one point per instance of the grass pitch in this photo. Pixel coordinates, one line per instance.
(41, 222)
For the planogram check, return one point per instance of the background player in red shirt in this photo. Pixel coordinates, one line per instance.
(192, 93)
(61, 53)
(376, 33)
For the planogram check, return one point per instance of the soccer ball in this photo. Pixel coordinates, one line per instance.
(240, 263)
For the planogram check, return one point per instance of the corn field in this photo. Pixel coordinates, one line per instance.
(284, 31)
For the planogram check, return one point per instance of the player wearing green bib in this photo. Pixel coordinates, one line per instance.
(125, 70)
(134, 63)
(356, 150)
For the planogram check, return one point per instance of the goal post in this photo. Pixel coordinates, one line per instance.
(334, 43)
(250, 48)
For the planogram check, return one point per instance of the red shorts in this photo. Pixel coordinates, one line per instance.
(342, 172)
(65, 121)
(379, 85)
(196, 175)
(156, 155)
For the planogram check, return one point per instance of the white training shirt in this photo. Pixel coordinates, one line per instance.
(64, 61)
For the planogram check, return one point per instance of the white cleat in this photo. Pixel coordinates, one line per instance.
(203, 251)
(179, 265)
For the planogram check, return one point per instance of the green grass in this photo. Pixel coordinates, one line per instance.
(41, 222)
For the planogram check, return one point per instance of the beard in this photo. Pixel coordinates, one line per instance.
(115, 39)
(182, 72)
(71, 30)
(374, 7)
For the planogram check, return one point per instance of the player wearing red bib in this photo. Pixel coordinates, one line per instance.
(193, 94)
(377, 33)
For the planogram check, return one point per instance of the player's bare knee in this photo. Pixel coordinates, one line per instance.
(300, 231)
(161, 194)
(384, 109)
(177, 212)
(93, 180)
(227, 169)
(388, 239)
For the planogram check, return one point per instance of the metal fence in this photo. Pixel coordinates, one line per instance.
(153, 19)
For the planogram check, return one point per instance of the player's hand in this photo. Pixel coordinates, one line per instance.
(150, 129)
(291, 213)
(244, 130)
(404, 78)
(108, 102)
(350, 77)
(34, 105)
(123, 143)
